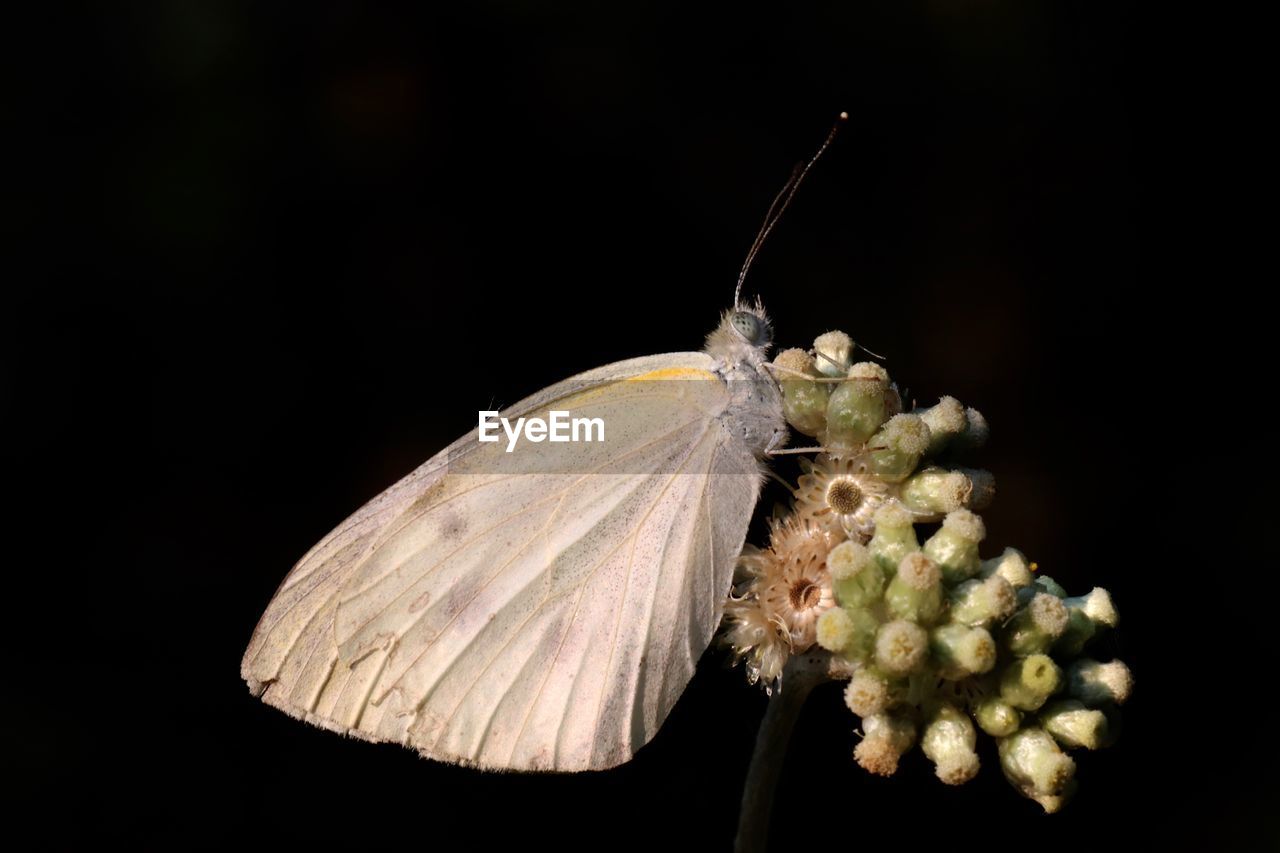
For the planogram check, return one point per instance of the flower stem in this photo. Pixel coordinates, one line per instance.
(801, 675)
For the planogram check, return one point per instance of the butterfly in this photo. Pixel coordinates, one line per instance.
(543, 609)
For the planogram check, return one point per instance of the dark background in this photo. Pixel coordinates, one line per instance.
(297, 249)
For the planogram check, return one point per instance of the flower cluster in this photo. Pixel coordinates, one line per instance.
(936, 642)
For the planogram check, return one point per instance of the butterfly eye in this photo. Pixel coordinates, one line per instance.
(751, 327)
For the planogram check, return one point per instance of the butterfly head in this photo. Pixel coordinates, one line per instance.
(743, 329)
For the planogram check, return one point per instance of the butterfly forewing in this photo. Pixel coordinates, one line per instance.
(535, 611)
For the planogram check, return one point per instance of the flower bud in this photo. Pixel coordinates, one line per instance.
(945, 421)
(934, 491)
(955, 545)
(834, 630)
(868, 693)
(1035, 627)
(856, 408)
(1095, 683)
(982, 602)
(856, 578)
(915, 592)
(1012, 566)
(901, 647)
(895, 536)
(886, 739)
(1086, 615)
(896, 449)
(997, 717)
(948, 741)
(962, 651)
(1027, 683)
(833, 352)
(1033, 763)
(1073, 725)
(804, 403)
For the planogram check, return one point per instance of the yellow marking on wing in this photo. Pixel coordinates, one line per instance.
(674, 373)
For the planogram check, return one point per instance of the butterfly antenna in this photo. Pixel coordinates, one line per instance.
(780, 202)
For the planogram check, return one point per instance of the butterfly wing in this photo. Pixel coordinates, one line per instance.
(538, 610)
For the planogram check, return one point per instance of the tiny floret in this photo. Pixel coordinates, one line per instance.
(866, 694)
(919, 572)
(847, 559)
(907, 433)
(797, 360)
(870, 372)
(835, 629)
(901, 646)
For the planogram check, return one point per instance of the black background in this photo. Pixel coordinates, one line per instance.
(298, 249)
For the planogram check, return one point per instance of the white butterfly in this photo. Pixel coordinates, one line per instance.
(541, 610)
(544, 611)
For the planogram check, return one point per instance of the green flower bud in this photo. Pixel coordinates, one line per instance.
(1012, 566)
(1095, 683)
(1096, 606)
(982, 602)
(856, 408)
(945, 421)
(948, 741)
(955, 545)
(1073, 725)
(1087, 614)
(1027, 683)
(1033, 763)
(895, 536)
(962, 651)
(833, 352)
(934, 491)
(1035, 627)
(997, 717)
(804, 403)
(901, 647)
(896, 449)
(886, 738)
(869, 693)
(915, 593)
(856, 578)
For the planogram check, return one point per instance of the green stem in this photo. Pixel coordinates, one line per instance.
(801, 674)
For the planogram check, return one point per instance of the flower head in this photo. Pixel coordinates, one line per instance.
(937, 643)
(795, 588)
(841, 495)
